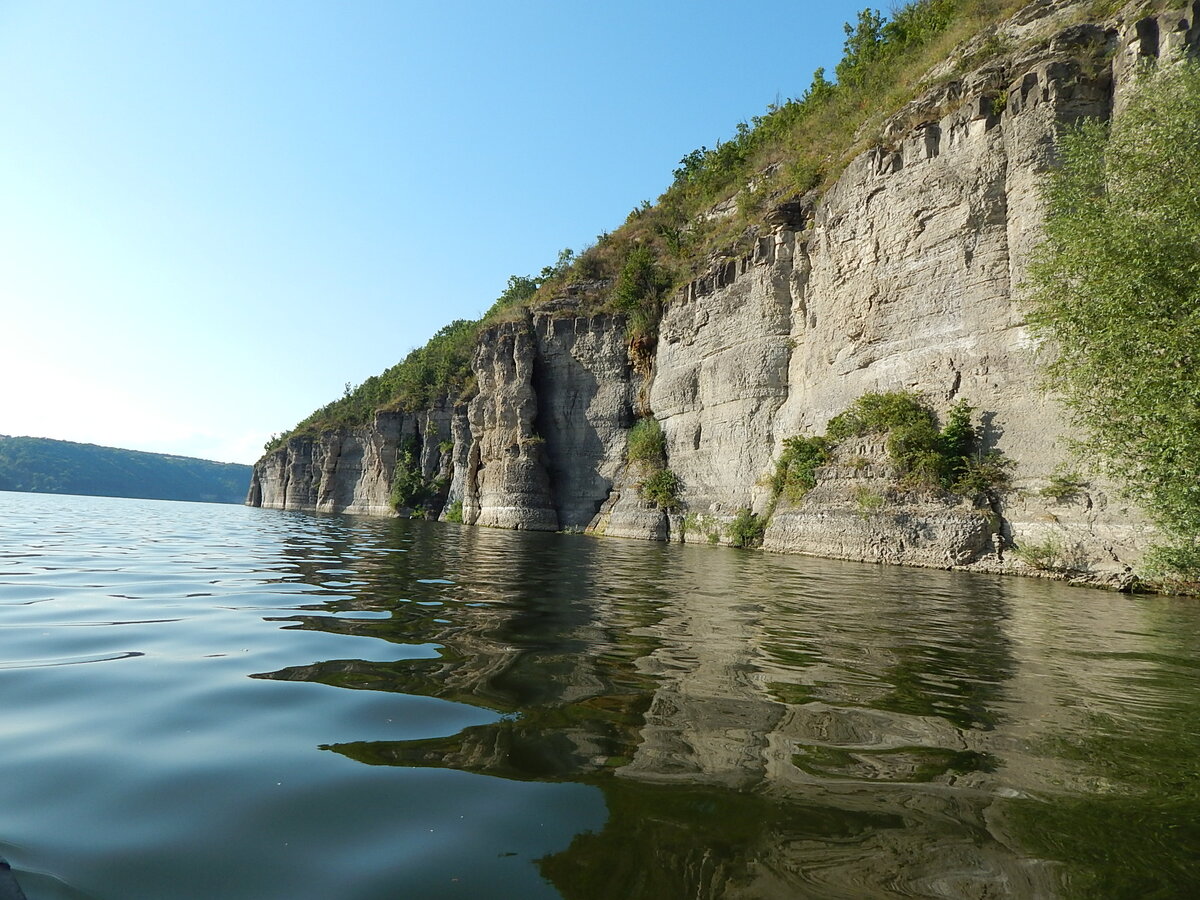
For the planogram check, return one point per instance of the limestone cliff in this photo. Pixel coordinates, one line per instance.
(905, 275)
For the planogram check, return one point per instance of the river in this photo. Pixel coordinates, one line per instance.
(207, 701)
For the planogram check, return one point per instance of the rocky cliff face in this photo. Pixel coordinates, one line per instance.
(349, 469)
(904, 276)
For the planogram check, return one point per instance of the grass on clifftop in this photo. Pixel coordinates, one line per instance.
(794, 147)
(440, 369)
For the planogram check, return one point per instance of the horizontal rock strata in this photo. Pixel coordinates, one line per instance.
(905, 276)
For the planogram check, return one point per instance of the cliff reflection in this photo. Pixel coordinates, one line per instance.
(760, 726)
(529, 633)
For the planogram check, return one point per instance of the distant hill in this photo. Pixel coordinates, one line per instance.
(46, 466)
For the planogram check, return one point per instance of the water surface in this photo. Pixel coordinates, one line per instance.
(205, 701)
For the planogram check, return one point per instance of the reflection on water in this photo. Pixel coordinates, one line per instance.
(777, 727)
(758, 726)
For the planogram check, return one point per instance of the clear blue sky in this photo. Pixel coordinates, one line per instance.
(216, 213)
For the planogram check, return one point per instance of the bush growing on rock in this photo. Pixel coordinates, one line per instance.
(646, 449)
(638, 293)
(747, 529)
(646, 443)
(924, 456)
(1051, 553)
(882, 413)
(796, 471)
(1115, 292)
(408, 487)
(662, 489)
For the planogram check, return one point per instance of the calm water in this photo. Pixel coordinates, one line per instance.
(202, 701)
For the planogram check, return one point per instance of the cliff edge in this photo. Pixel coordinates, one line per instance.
(904, 275)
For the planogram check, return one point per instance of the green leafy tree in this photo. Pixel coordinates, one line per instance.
(562, 265)
(1116, 290)
(864, 45)
(820, 90)
(958, 441)
(408, 485)
(747, 529)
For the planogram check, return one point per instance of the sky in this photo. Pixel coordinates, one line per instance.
(216, 213)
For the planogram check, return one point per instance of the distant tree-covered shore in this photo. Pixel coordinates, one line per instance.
(45, 466)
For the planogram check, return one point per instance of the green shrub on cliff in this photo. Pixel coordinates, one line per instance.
(408, 485)
(1116, 293)
(646, 450)
(796, 470)
(662, 489)
(747, 529)
(638, 293)
(924, 456)
(1050, 554)
(521, 289)
(646, 443)
(882, 413)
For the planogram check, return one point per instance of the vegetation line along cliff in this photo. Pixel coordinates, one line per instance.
(818, 339)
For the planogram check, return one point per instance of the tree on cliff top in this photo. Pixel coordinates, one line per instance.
(1116, 289)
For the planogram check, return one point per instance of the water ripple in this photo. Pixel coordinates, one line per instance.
(332, 706)
(67, 661)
